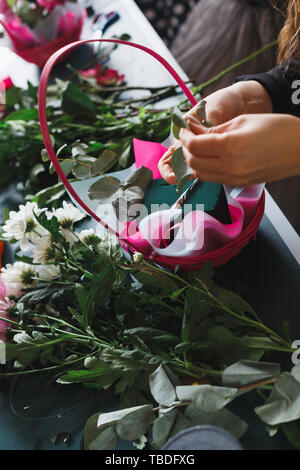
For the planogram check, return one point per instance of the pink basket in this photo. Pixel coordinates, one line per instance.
(40, 54)
(219, 256)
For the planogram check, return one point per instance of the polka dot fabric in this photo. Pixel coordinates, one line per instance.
(166, 16)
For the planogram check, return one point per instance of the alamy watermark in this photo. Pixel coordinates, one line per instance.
(296, 93)
(164, 222)
(296, 354)
(2, 353)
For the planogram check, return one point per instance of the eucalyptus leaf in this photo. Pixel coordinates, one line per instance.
(249, 372)
(181, 169)
(141, 177)
(106, 161)
(181, 422)
(223, 418)
(178, 122)
(162, 427)
(134, 424)
(163, 385)
(140, 413)
(67, 167)
(201, 112)
(106, 440)
(103, 189)
(283, 404)
(207, 397)
(90, 430)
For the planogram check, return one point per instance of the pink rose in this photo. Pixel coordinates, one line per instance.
(91, 73)
(106, 77)
(110, 77)
(6, 83)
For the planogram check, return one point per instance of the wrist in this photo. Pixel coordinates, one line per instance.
(254, 97)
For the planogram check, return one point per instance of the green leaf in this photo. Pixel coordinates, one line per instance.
(140, 177)
(292, 432)
(181, 169)
(67, 167)
(201, 111)
(181, 422)
(75, 101)
(153, 334)
(104, 189)
(162, 385)
(45, 155)
(106, 161)
(162, 428)
(35, 171)
(112, 418)
(47, 196)
(178, 122)
(134, 424)
(207, 397)
(233, 301)
(283, 404)
(223, 418)
(23, 115)
(91, 433)
(106, 440)
(249, 372)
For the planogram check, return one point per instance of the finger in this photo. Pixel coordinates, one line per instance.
(210, 143)
(204, 164)
(165, 167)
(196, 126)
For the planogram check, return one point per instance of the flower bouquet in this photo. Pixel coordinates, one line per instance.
(40, 27)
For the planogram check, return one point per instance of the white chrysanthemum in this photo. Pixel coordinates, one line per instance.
(67, 215)
(22, 225)
(48, 271)
(69, 236)
(44, 250)
(89, 237)
(19, 274)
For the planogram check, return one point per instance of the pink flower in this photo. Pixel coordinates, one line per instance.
(5, 304)
(110, 77)
(21, 32)
(66, 23)
(50, 4)
(106, 77)
(91, 73)
(6, 83)
(4, 8)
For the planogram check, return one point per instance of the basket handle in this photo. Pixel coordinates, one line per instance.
(43, 111)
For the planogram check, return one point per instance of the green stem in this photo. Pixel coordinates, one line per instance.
(220, 75)
(242, 318)
(10, 321)
(45, 369)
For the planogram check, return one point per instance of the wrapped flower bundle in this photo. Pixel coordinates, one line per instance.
(40, 27)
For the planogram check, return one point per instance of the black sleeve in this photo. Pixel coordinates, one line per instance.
(283, 86)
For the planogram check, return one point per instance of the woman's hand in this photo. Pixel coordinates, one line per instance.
(247, 150)
(222, 106)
